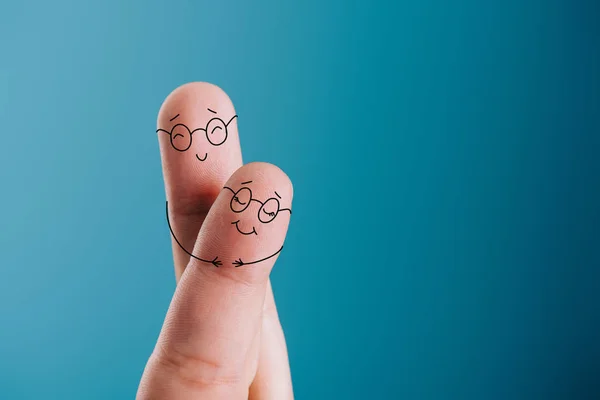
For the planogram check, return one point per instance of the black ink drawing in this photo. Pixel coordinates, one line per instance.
(181, 136)
(267, 212)
(214, 261)
(239, 202)
(239, 262)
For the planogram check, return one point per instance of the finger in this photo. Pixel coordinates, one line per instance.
(194, 170)
(190, 189)
(207, 346)
(273, 380)
(200, 149)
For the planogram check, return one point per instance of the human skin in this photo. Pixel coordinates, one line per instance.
(221, 338)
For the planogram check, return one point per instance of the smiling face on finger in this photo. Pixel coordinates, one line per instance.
(213, 134)
(257, 219)
(252, 214)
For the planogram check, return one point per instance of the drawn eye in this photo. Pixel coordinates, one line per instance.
(181, 137)
(265, 216)
(237, 200)
(240, 200)
(216, 131)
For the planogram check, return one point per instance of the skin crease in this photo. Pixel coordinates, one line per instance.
(222, 337)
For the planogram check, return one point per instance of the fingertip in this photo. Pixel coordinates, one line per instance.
(247, 225)
(268, 179)
(192, 96)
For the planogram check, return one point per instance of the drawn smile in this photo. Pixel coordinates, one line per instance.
(202, 159)
(242, 232)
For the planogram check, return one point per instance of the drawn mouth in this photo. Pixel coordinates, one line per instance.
(202, 159)
(242, 232)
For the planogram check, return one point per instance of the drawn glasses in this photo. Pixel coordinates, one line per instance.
(268, 210)
(215, 131)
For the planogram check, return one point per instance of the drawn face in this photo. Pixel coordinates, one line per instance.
(181, 136)
(248, 219)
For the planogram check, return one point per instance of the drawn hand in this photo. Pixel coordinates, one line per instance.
(208, 347)
(238, 262)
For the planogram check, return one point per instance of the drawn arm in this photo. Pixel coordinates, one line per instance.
(239, 262)
(214, 262)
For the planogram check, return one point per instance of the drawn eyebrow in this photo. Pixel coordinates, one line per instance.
(174, 117)
(214, 112)
(245, 183)
(277, 194)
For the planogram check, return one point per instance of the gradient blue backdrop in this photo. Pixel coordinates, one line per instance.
(445, 240)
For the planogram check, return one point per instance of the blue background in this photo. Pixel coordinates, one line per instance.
(445, 243)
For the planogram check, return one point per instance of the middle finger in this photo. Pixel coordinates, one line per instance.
(200, 149)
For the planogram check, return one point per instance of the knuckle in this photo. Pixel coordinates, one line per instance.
(198, 372)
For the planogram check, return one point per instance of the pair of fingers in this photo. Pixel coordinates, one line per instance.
(221, 337)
